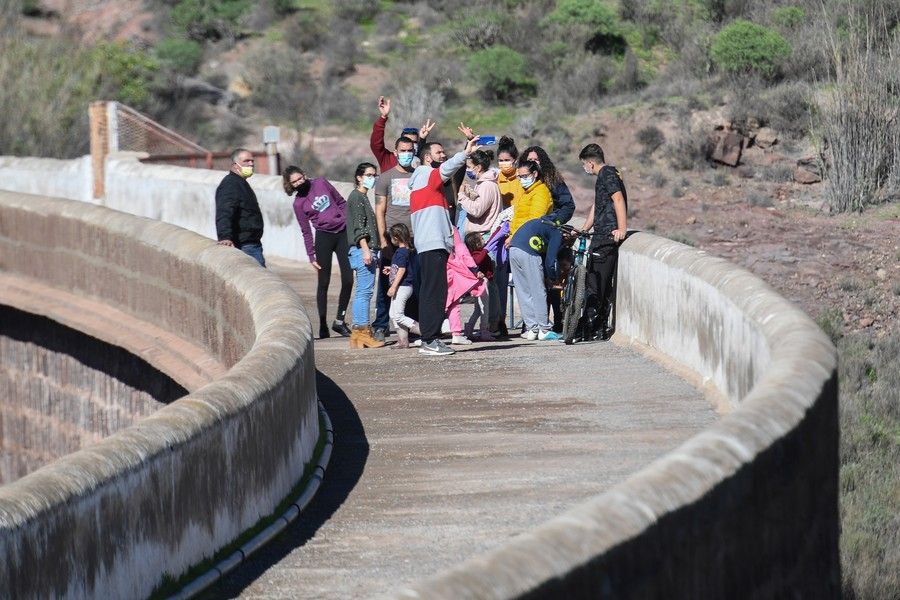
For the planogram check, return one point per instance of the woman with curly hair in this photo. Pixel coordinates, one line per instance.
(563, 203)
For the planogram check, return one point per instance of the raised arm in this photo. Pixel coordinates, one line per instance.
(376, 140)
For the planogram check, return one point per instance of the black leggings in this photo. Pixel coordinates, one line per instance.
(326, 243)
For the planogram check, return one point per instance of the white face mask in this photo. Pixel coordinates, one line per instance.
(368, 181)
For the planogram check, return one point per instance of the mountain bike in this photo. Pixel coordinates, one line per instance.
(575, 286)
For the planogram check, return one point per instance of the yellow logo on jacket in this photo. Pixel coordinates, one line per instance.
(536, 243)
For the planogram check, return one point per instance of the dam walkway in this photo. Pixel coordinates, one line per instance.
(437, 459)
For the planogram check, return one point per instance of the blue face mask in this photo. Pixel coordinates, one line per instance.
(470, 173)
(405, 158)
(526, 182)
(368, 181)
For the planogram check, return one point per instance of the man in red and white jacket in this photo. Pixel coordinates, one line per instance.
(433, 234)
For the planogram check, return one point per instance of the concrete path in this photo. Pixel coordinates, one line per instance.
(438, 459)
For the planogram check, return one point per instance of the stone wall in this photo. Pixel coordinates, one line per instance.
(162, 495)
(745, 509)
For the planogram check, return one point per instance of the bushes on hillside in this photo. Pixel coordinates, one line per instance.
(179, 55)
(605, 34)
(501, 73)
(209, 19)
(748, 48)
(47, 84)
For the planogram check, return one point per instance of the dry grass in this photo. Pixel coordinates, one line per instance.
(870, 465)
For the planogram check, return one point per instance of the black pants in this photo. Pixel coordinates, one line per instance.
(326, 244)
(600, 281)
(432, 293)
(554, 301)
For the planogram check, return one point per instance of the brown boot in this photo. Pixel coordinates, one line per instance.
(361, 337)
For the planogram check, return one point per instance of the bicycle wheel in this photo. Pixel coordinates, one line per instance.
(574, 304)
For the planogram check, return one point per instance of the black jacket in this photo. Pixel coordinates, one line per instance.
(238, 217)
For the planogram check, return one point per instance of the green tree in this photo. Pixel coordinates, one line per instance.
(605, 32)
(209, 19)
(502, 73)
(745, 47)
(179, 54)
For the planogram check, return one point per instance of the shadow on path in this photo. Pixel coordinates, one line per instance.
(348, 459)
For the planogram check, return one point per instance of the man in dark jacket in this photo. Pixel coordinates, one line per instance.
(239, 221)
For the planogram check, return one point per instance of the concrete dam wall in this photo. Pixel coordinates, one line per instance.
(169, 489)
(62, 390)
(748, 508)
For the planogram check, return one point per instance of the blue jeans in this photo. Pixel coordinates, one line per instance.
(254, 251)
(365, 281)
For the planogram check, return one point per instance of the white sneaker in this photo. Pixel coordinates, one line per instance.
(445, 326)
(530, 335)
(416, 343)
(461, 340)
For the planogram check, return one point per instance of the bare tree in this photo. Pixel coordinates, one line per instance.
(859, 111)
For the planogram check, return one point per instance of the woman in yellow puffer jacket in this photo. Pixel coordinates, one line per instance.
(536, 200)
(510, 188)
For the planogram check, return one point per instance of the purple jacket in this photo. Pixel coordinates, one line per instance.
(324, 207)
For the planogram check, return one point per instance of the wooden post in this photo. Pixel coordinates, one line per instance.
(97, 113)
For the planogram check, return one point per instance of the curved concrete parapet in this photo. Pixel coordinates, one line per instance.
(747, 508)
(109, 520)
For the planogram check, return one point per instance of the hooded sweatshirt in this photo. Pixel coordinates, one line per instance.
(483, 208)
(428, 208)
(323, 206)
(534, 204)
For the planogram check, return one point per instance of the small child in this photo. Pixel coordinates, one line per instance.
(401, 279)
(475, 244)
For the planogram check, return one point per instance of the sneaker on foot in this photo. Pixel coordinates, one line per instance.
(445, 326)
(549, 336)
(530, 335)
(436, 348)
(460, 340)
(341, 328)
(378, 334)
(415, 343)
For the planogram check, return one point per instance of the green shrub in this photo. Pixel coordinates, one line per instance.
(501, 73)
(605, 30)
(209, 19)
(179, 54)
(744, 47)
(788, 16)
(128, 72)
(479, 30)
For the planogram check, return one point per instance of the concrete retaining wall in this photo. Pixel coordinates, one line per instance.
(745, 509)
(169, 491)
(178, 195)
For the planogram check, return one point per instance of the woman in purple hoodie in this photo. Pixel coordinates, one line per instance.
(319, 204)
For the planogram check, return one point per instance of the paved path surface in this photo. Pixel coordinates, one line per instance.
(438, 459)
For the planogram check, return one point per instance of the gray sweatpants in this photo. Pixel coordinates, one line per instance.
(528, 275)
